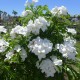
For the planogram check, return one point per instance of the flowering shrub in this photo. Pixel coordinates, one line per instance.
(42, 49)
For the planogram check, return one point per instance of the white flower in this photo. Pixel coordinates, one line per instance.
(30, 3)
(57, 46)
(23, 31)
(71, 30)
(26, 13)
(3, 45)
(59, 11)
(44, 23)
(67, 49)
(2, 29)
(23, 54)
(55, 11)
(27, 3)
(34, 1)
(47, 67)
(40, 47)
(9, 55)
(63, 10)
(30, 26)
(17, 48)
(18, 30)
(14, 31)
(39, 23)
(56, 61)
(69, 41)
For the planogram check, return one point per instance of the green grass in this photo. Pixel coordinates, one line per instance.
(78, 48)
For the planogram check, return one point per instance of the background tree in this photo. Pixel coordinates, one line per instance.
(0, 15)
(14, 12)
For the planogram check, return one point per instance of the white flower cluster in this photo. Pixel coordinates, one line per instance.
(71, 30)
(70, 41)
(17, 48)
(67, 49)
(49, 67)
(39, 23)
(56, 61)
(9, 55)
(18, 30)
(27, 13)
(23, 54)
(2, 29)
(40, 47)
(59, 11)
(3, 45)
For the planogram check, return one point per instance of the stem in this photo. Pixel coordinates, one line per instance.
(63, 70)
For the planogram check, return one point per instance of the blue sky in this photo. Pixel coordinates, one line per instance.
(73, 6)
